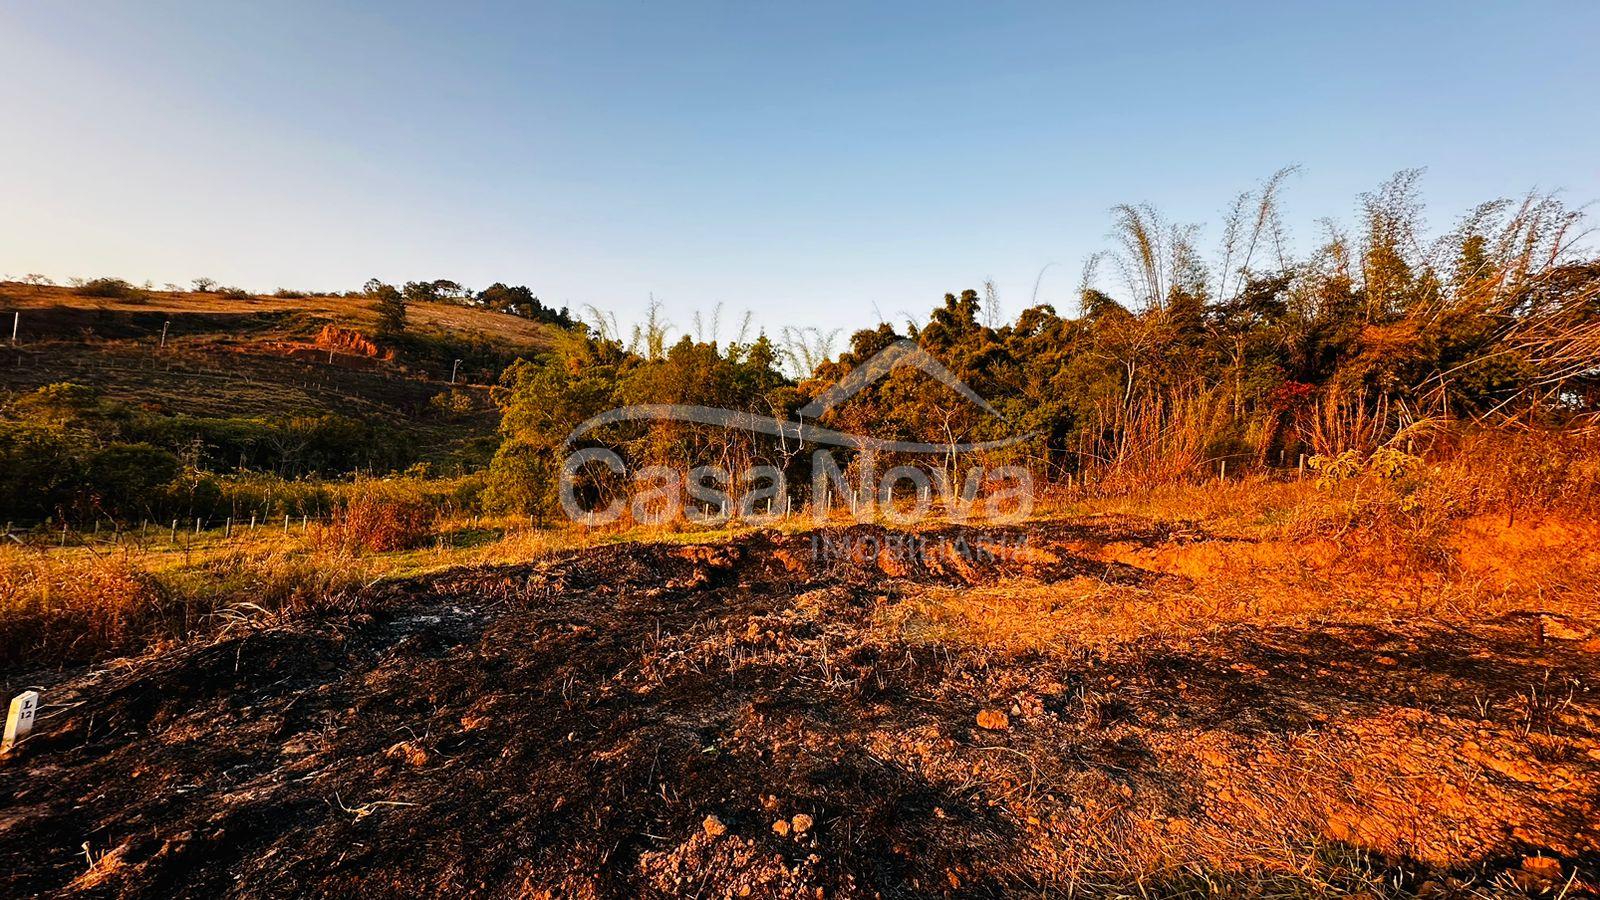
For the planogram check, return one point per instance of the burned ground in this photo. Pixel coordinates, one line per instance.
(762, 718)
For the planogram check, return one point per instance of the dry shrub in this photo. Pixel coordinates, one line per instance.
(1339, 423)
(108, 287)
(1524, 471)
(371, 522)
(1158, 438)
(80, 607)
(1405, 508)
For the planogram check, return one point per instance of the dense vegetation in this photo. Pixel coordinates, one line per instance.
(68, 452)
(1171, 364)
(1373, 338)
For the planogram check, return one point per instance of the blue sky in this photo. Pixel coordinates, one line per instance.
(809, 162)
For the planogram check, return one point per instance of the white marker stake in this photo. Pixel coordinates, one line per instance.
(20, 720)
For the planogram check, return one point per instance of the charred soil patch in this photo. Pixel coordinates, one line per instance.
(754, 719)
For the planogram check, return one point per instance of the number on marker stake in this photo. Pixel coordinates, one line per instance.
(20, 720)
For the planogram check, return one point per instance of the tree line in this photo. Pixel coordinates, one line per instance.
(1173, 360)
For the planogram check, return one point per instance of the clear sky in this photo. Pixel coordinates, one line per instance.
(807, 161)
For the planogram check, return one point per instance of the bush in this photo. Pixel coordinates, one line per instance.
(108, 287)
(452, 404)
(376, 524)
(124, 476)
(520, 481)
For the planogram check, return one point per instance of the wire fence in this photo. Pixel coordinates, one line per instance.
(150, 534)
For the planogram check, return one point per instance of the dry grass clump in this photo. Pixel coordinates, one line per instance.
(78, 607)
(57, 607)
(282, 580)
(1158, 439)
(374, 523)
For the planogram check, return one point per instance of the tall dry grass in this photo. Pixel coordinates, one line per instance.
(71, 607)
(1158, 438)
(80, 607)
(376, 523)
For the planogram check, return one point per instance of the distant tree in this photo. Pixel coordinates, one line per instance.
(420, 292)
(451, 291)
(520, 301)
(107, 287)
(122, 476)
(390, 305)
(204, 285)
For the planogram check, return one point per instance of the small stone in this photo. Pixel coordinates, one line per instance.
(994, 720)
(801, 823)
(714, 826)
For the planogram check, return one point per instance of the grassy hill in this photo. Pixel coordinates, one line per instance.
(233, 356)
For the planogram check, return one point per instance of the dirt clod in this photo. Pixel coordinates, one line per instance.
(714, 826)
(994, 720)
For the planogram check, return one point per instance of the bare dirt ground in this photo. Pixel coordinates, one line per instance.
(846, 714)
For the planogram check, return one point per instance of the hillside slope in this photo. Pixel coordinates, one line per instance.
(223, 356)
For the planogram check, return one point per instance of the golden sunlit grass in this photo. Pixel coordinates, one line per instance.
(88, 600)
(1437, 543)
(1274, 552)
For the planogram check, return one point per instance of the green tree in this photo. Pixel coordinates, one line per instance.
(123, 477)
(390, 306)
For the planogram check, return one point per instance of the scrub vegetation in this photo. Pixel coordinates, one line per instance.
(1305, 603)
